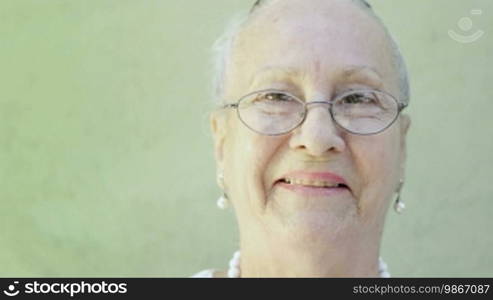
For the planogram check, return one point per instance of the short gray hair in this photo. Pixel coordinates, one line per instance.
(223, 47)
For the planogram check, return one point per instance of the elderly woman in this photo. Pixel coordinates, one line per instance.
(309, 138)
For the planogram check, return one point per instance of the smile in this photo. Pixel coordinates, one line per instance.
(313, 183)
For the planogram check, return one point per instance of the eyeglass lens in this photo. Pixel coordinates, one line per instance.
(360, 112)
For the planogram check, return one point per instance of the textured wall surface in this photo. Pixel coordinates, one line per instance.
(106, 164)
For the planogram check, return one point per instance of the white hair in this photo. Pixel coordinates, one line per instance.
(223, 47)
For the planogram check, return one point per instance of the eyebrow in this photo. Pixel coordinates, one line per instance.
(272, 71)
(351, 71)
(347, 72)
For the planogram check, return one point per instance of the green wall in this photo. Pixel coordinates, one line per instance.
(106, 163)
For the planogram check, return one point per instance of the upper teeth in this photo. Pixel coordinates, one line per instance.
(320, 183)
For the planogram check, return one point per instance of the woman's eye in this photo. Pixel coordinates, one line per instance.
(358, 99)
(277, 97)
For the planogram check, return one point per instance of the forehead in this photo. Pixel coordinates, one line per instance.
(315, 39)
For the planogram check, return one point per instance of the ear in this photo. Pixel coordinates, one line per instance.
(218, 121)
(405, 123)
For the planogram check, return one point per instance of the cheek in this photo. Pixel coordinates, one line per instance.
(247, 158)
(377, 161)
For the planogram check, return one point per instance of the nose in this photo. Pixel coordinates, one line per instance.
(318, 135)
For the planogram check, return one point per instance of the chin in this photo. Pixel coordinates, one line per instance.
(315, 223)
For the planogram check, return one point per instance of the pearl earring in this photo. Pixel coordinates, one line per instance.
(399, 206)
(223, 201)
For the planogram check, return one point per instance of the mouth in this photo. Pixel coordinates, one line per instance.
(313, 184)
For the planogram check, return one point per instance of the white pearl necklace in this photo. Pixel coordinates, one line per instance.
(234, 267)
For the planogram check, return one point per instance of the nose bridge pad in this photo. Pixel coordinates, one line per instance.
(319, 106)
(318, 133)
(323, 104)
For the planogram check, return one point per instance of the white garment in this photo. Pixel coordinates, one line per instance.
(209, 273)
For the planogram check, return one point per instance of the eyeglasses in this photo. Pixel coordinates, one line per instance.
(275, 112)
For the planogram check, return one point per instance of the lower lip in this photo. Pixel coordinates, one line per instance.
(313, 191)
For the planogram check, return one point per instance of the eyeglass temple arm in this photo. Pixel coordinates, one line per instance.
(230, 105)
(402, 106)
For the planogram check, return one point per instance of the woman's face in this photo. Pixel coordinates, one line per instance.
(315, 54)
